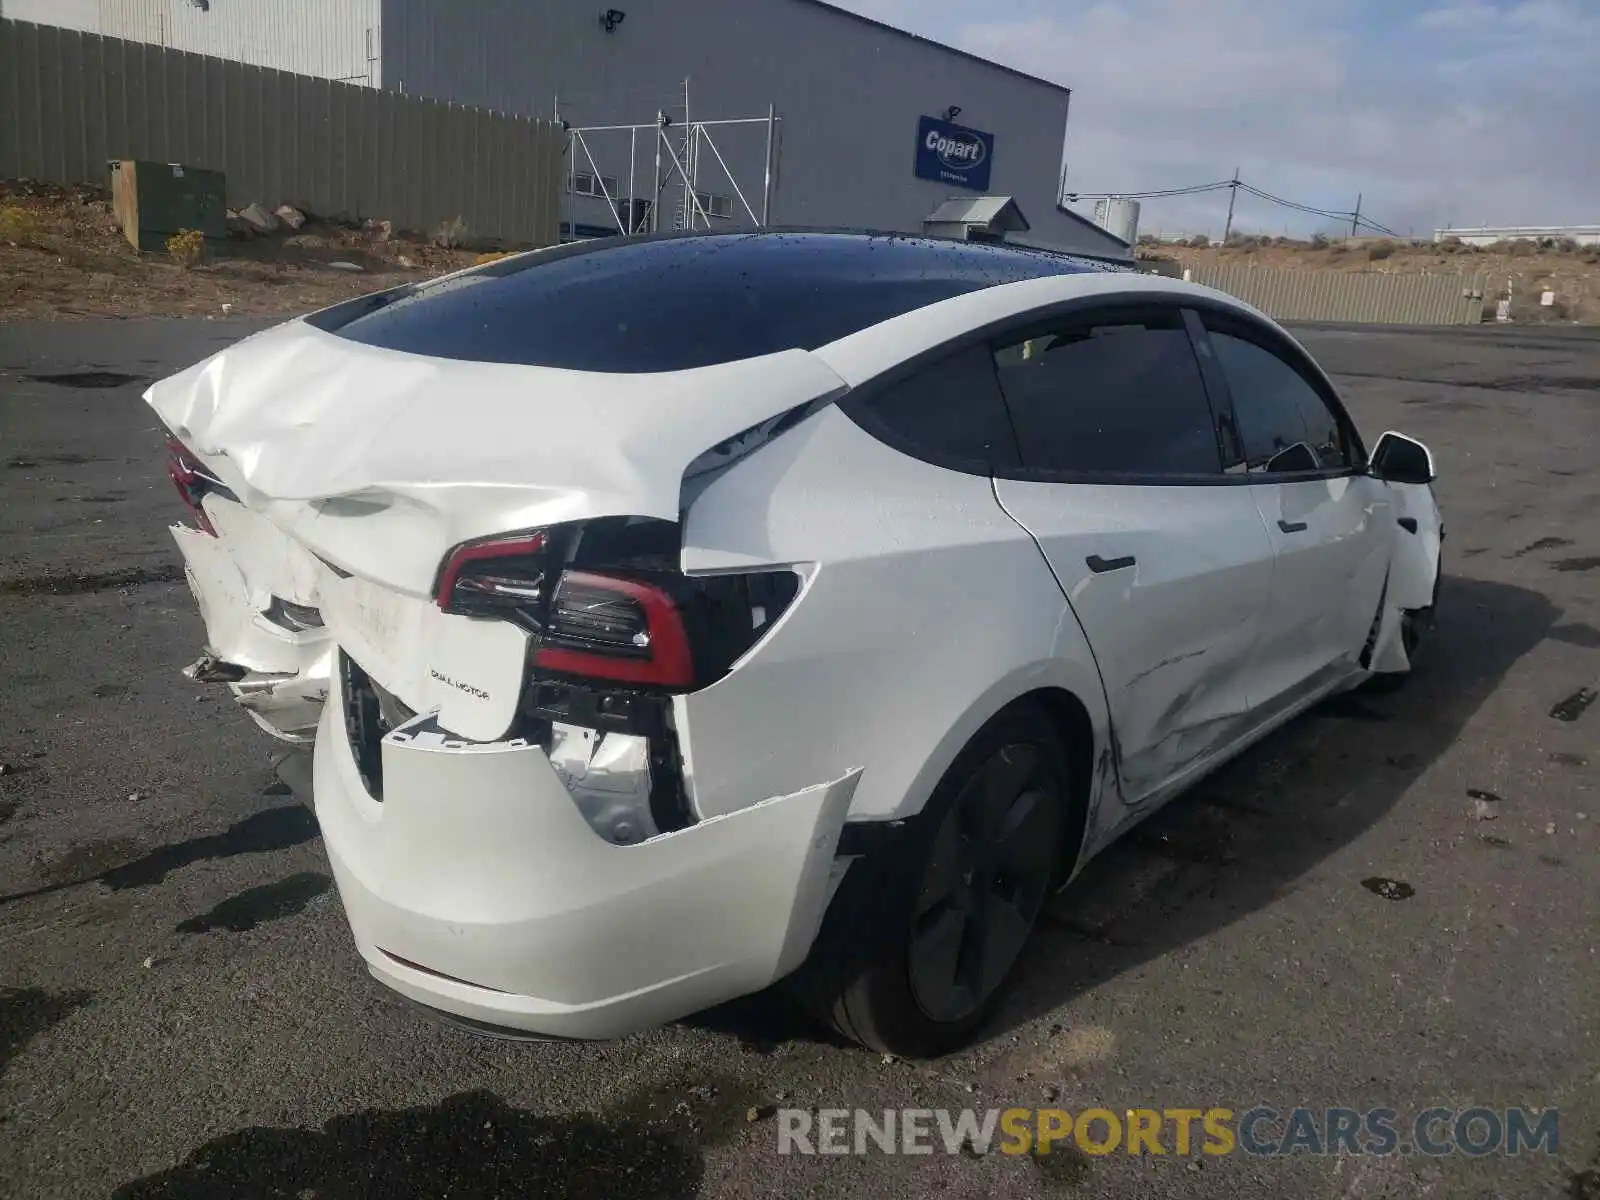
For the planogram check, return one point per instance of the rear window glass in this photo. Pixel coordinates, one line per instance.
(678, 303)
(1119, 395)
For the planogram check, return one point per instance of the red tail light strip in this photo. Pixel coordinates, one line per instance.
(670, 663)
(185, 474)
(527, 543)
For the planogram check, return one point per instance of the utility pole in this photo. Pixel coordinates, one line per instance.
(1233, 194)
(1355, 217)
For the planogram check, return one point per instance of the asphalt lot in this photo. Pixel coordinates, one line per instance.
(182, 1013)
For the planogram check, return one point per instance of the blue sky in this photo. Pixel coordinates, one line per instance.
(1458, 111)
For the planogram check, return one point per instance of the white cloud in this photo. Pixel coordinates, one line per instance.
(1457, 16)
(1463, 112)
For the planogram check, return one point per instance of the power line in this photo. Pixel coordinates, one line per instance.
(1235, 185)
(1305, 208)
(1180, 191)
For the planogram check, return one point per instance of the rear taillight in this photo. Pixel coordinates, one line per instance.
(605, 601)
(505, 572)
(190, 479)
(605, 627)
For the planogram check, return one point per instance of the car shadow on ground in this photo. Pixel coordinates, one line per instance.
(269, 829)
(27, 1012)
(472, 1144)
(1242, 837)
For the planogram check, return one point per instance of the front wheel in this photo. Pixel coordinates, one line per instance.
(984, 859)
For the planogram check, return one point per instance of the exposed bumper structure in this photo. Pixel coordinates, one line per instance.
(477, 888)
(285, 673)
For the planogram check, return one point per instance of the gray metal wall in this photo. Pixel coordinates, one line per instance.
(334, 39)
(1347, 296)
(849, 93)
(72, 101)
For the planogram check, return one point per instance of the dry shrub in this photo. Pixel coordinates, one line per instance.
(1522, 248)
(21, 228)
(1319, 241)
(1199, 241)
(1379, 251)
(489, 257)
(451, 234)
(1567, 245)
(187, 248)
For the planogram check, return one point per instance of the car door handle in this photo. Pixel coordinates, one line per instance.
(1101, 565)
(1291, 526)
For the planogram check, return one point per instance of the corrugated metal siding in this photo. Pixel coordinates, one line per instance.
(848, 93)
(69, 14)
(332, 147)
(1351, 297)
(334, 39)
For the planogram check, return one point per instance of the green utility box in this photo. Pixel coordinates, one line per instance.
(155, 200)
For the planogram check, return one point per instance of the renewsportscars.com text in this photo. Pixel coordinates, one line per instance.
(1262, 1131)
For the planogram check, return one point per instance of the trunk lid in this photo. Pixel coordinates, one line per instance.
(380, 462)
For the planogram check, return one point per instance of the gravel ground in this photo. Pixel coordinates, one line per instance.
(182, 1013)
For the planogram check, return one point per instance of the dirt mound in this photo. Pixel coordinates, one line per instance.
(62, 254)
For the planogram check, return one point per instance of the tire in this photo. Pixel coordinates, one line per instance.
(942, 927)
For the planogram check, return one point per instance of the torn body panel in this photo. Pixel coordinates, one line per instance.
(278, 671)
(1415, 565)
(505, 906)
(288, 706)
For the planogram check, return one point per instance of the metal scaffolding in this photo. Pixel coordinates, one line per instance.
(675, 152)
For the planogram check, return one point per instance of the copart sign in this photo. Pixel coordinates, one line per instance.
(954, 154)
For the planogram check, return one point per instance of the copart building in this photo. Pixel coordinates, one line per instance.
(718, 114)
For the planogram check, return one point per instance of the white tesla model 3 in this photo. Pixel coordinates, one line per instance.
(698, 611)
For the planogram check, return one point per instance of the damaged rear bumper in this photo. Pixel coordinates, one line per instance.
(278, 675)
(477, 888)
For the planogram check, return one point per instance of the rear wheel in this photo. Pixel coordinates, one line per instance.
(984, 859)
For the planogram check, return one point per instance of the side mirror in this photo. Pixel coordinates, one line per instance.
(1399, 459)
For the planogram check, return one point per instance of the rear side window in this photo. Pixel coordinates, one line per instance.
(948, 412)
(1285, 424)
(1119, 395)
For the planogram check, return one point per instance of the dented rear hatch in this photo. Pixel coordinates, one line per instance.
(376, 463)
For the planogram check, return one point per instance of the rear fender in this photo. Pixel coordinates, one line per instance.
(926, 610)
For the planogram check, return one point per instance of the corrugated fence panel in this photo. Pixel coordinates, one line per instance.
(72, 101)
(1366, 297)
